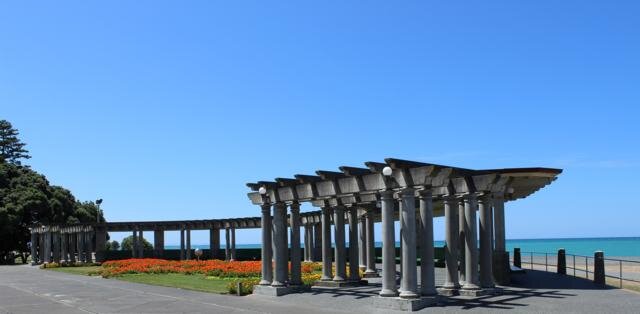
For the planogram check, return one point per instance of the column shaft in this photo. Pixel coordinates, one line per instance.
(34, 246)
(498, 216)
(354, 238)
(461, 251)
(141, 244)
(101, 242)
(227, 244)
(281, 260)
(182, 247)
(486, 263)
(73, 246)
(233, 243)
(409, 288)
(134, 244)
(188, 245)
(471, 243)
(317, 243)
(296, 266)
(339, 254)
(266, 252)
(214, 239)
(307, 243)
(362, 246)
(389, 288)
(326, 244)
(427, 272)
(371, 245)
(451, 238)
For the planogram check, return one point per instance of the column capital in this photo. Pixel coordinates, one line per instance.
(425, 193)
(386, 194)
(265, 208)
(280, 205)
(294, 207)
(407, 192)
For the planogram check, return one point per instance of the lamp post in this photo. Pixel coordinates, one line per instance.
(98, 202)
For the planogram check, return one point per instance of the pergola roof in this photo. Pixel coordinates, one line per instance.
(358, 186)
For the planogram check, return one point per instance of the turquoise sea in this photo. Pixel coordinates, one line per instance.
(618, 247)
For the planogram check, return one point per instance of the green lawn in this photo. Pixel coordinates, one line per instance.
(83, 270)
(189, 282)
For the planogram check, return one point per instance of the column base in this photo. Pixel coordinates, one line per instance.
(409, 305)
(340, 284)
(480, 292)
(371, 275)
(448, 291)
(278, 291)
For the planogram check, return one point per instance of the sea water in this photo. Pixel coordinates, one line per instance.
(618, 247)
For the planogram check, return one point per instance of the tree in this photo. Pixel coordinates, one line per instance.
(11, 148)
(27, 198)
(112, 245)
(127, 243)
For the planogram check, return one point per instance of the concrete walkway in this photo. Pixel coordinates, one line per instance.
(25, 289)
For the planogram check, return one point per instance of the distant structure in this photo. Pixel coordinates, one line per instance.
(410, 192)
(387, 192)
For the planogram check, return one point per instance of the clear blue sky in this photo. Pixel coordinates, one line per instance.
(166, 110)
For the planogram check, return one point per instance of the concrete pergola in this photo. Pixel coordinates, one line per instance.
(86, 242)
(386, 192)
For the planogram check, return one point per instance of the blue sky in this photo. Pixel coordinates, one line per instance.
(165, 109)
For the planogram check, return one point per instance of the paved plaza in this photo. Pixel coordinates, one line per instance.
(26, 289)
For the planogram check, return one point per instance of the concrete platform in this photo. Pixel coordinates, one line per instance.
(26, 289)
(408, 305)
(340, 284)
(278, 291)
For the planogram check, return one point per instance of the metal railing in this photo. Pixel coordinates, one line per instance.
(579, 265)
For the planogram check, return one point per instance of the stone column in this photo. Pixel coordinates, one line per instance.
(461, 237)
(409, 288)
(281, 260)
(317, 243)
(182, 252)
(427, 272)
(486, 250)
(187, 252)
(73, 246)
(326, 244)
(56, 245)
(501, 268)
(471, 244)
(266, 252)
(101, 241)
(354, 260)
(227, 244)
(82, 240)
(134, 244)
(47, 245)
(306, 243)
(370, 246)
(64, 247)
(41, 240)
(389, 288)
(140, 244)
(34, 245)
(296, 266)
(158, 242)
(451, 238)
(233, 243)
(362, 240)
(214, 238)
(339, 254)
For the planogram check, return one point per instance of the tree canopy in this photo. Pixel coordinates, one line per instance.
(128, 242)
(11, 148)
(27, 198)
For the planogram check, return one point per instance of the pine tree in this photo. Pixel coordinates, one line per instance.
(11, 148)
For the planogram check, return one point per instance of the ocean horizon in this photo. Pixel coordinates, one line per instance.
(611, 246)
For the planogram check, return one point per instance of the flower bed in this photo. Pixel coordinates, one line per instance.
(217, 268)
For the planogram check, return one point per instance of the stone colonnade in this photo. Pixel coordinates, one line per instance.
(397, 190)
(67, 244)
